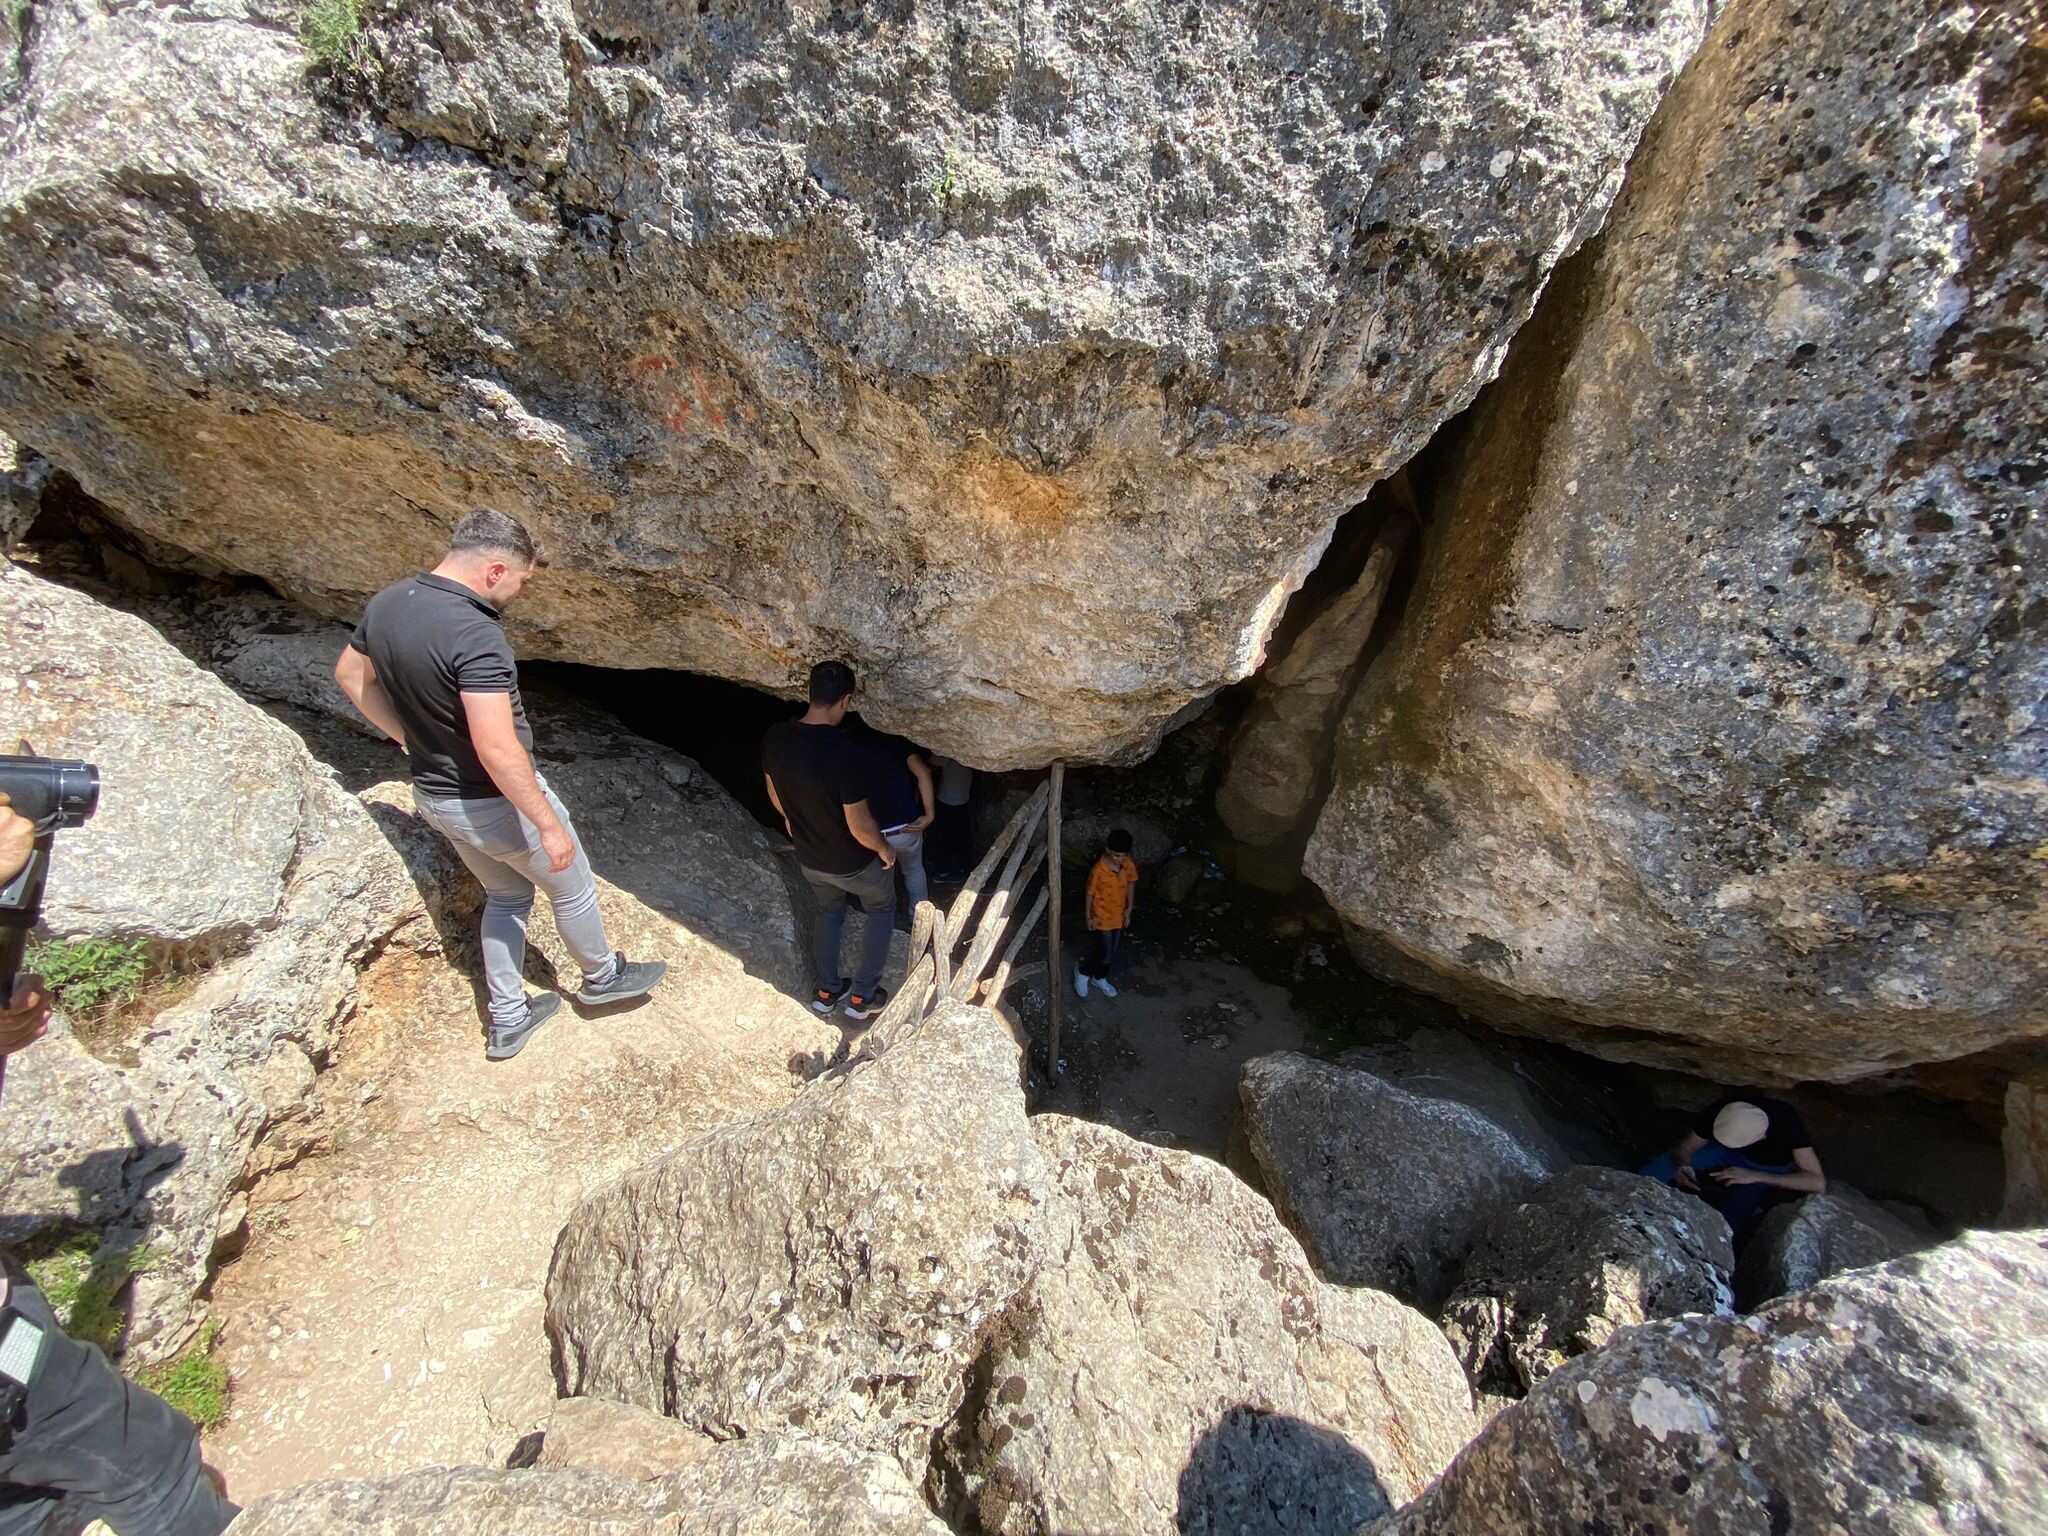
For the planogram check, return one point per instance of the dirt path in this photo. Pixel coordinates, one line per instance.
(386, 1313)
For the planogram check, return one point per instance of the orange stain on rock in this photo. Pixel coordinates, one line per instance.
(997, 488)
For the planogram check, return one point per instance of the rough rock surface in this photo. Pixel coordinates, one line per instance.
(831, 1265)
(1908, 1398)
(1592, 1251)
(216, 828)
(616, 1438)
(23, 474)
(1176, 1366)
(770, 1485)
(1804, 1241)
(1383, 1186)
(1279, 756)
(2026, 1153)
(1028, 362)
(1714, 723)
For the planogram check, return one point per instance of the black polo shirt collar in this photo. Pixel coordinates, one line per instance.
(443, 584)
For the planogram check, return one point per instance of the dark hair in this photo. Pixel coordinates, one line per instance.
(488, 528)
(1118, 841)
(831, 681)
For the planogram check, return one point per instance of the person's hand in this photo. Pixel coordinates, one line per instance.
(26, 1017)
(922, 822)
(1737, 1176)
(17, 840)
(1686, 1179)
(887, 856)
(559, 846)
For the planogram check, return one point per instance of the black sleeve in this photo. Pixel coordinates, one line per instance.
(360, 640)
(481, 658)
(1703, 1122)
(855, 771)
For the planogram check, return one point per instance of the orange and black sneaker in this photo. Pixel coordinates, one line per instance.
(823, 1001)
(859, 1007)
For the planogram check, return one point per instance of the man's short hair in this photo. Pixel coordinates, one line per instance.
(1118, 841)
(489, 529)
(831, 681)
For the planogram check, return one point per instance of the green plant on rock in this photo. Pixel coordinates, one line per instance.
(17, 18)
(945, 180)
(332, 32)
(82, 1279)
(193, 1381)
(91, 975)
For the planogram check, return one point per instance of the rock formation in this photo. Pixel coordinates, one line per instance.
(2026, 1152)
(1175, 1366)
(829, 1266)
(1280, 753)
(1385, 1187)
(1592, 1251)
(1908, 1398)
(1027, 362)
(218, 833)
(1804, 1241)
(765, 1485)
(1712, 725)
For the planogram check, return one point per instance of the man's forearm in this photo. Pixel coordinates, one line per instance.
(375, 706)
(511, 769)
(1800, 1180)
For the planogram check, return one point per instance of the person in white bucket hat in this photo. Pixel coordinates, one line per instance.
(1742, 1155)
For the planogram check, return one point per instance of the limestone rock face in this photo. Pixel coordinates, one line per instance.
(1176, 1366)
(616, 1438)
(1384, 1187)
(1592, 1251)
(216, 828)
(1908, 1398)
(1279, 753)
(2026, 1153)
(769, 1485)
(1028, 364)
(831, 1265)
(23, 474)
(1713, 722)
(1803, 1242)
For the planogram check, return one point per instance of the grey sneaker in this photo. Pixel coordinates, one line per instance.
(504, 1044)
(630, 979)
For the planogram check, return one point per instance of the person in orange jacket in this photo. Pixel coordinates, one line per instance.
(1112, 886)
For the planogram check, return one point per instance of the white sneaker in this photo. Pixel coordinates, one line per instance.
(1104, 987)
(1080, 983)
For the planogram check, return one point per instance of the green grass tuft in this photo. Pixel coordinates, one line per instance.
(332, 32)
(82, 1280)
(91, 976)
(193, 1381)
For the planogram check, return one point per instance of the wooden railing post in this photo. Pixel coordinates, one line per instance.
(1056, 976)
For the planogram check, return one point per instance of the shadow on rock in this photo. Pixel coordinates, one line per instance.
(1267, 1474)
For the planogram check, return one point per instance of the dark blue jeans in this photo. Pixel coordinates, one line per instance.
(1742, 1204)
(876, 888)
(93, 1446)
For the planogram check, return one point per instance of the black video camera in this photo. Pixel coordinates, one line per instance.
(52, 794)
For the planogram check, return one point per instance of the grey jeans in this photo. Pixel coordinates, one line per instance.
(502, 849)
(909, 848)
(92, 1446)
(876, 888)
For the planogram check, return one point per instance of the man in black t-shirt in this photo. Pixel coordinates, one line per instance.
(819, 779)
(1753, 1150)
(901, 796)
(431, 668)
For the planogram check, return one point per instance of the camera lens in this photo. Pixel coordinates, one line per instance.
(78, 792)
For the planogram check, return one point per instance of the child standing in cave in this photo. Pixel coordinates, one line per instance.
(1112, 888)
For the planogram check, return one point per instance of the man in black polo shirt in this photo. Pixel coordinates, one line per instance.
(430, 667)
(819, 779)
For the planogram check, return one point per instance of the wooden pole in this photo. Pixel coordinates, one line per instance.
(1056, 975)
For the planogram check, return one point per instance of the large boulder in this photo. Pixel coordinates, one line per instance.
(217, 835)
(1591, 1252)
(833, 1265)
(1907, 1398)
(897, 334)
(1712, 727)
(768, 1485)
(1385, 1187)
(1804, 1241)
(1176, 1366)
